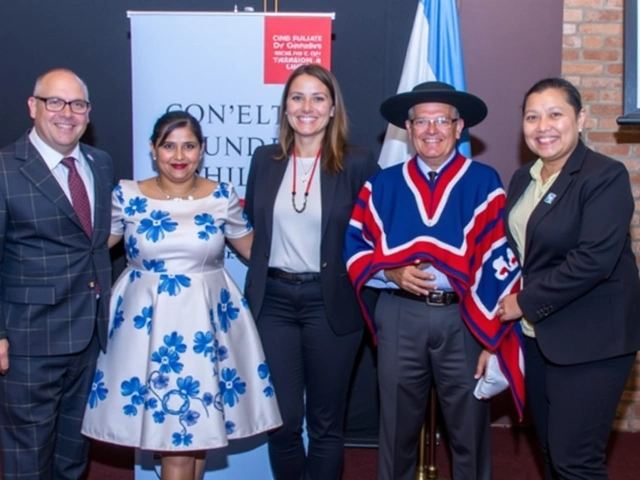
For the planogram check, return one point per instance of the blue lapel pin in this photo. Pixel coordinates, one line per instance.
(549, 198)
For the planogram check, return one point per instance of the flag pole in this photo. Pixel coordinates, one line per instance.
(428, 470)
(275, 5)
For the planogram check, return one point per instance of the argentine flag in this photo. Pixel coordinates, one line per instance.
(434, 53)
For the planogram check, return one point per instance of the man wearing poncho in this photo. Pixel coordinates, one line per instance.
(429, 234)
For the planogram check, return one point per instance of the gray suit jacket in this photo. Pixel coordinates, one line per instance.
(48, 265)
(338, 195)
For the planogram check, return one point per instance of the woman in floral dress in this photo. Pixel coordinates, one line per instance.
(185, 370)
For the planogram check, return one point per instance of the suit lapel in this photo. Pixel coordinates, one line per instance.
(274, 177)
(555, 192)
(328, 184)
(99, 183)
(37, 172)
(518, 188)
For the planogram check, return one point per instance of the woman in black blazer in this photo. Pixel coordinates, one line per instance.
(299, 198)
(568, 219)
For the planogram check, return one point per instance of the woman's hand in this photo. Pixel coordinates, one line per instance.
(508, 308)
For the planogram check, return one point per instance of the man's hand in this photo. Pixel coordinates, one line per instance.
(412, 279)
(508, 308)
(4, 356)
(483, 361)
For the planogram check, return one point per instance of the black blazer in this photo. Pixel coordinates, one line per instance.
(581, 287)
(338, 194)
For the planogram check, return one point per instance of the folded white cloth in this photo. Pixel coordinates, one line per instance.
(492, 382)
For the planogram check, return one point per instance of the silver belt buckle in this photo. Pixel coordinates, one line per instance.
(435, 298)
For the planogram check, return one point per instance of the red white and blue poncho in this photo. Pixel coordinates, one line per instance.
(456, 225)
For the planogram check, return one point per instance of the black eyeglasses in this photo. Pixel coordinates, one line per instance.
(55, 104)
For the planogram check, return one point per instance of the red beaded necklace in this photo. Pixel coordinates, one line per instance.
(306, 192)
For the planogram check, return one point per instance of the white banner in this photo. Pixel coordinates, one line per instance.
(210, 66)
(227, 70)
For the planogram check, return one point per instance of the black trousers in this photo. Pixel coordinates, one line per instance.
(573, 407)
(310, 367)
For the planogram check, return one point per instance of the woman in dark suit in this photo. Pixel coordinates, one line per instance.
(299, 198)
(568, 219)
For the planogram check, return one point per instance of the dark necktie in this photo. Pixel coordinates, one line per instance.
(432, 176)
(79, 197)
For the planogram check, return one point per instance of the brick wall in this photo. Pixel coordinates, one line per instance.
(592, 59)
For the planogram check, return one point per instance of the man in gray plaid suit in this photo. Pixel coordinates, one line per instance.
(55, 274)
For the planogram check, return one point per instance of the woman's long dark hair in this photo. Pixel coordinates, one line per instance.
(334, 142)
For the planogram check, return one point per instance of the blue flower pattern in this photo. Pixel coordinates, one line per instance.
(137, 392)
(172, 284)
(134, 274)
(144, 319)
(157, 225)
(118, 316)
(230, 427)
(247, 223)
(207, 222)
(119, 194)
(203, 343)
(226, 311)
(98, 390)
(168, 355)
(136, 205)
(185, 400)
(176, 393)
(231, 386)
(265, 374)
(222, 191)
(207, 345)
(220, 352)
(130, 247)
(154, 265)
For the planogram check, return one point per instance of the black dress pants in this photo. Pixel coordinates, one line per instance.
(573, 407)
(311, 368)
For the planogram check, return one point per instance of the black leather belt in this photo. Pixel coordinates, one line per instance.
(305, 277)
(436, 298)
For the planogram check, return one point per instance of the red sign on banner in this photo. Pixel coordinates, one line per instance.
(293, 41)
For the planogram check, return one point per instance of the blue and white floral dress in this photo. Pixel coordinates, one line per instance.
(185, 369)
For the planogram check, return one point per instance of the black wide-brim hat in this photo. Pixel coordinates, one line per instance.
(471, 108)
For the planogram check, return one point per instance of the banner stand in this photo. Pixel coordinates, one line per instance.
(227, 69)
